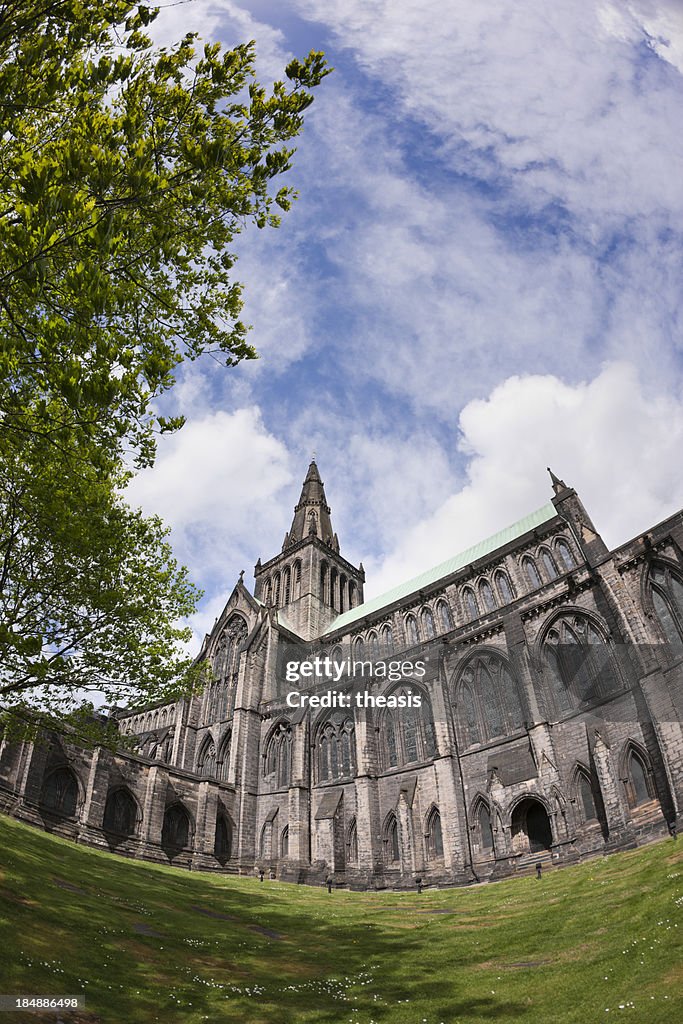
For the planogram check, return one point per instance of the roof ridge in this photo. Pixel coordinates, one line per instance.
(450, 565)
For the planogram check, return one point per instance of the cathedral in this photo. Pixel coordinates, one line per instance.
(543, 725)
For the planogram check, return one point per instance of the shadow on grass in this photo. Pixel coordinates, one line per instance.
(147, 943)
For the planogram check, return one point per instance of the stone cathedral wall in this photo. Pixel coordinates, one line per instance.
(233, 779)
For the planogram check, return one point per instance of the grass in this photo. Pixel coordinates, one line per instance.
(148, 943)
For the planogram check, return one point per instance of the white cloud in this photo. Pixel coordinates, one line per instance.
(557, 96)
(214, 483)
(616, 445)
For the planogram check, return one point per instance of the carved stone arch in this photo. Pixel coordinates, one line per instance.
(334, 745)
(284, 843)
(352, 842)
(470, 604)
(504, 586)
(406, 734)
(544, 557)
(532, 795)
(575, 610)
(486, 594)
(207, 756)
(530, 816)
(444, 616)
(433, 833)
(661, 590)
(296, 579)
(412, 631)
(486, 696)
(427, 622)
(576, 660)
(325, 582)
(223, 754)
(585, 792)
(223, 836)
(559, 798)
(391, 838)
(483, 812)
(62, 792)
(559, 811)
(277, 752)
(560, 546)
(178, 828)
(122, 812)
(636, 774)
(530, 571)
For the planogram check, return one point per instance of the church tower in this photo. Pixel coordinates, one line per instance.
(309, 583)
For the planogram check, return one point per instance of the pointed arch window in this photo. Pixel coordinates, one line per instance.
(390, 745)
(639, 783)
(223, 759)
(287, 585)
(444, 615)
(387, 639)
(580, 664)
(277, 759)
(471, 606)
(391, 841)
(336, 748)
(484, 832)
(284, 842)
(358, 649)
(408, 736)
(175, 832)
(206, 762)
(324, 583)
(666, 588)
(565, 554)
(428, 630)
(222, 844)
(296, 582)
(342, 593)
(334, 589)
(504, 587)
(60, 793)
(277, 586)
(412, 636)
(490, 699)
(120, 813)
(486, 595)
(352, 843)
(549, 564)
(373, 644)
(532, 573)
(266, 842)
(585, 795)
(434, 835)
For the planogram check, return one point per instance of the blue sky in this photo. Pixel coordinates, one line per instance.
(482, 277)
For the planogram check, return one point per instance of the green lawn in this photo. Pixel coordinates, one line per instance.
(146, 943)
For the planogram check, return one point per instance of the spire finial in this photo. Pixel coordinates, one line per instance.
(558, 485)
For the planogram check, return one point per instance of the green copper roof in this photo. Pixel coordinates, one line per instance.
(473, 554)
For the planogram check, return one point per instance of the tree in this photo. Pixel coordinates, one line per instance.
(125, 174)
(90, 595)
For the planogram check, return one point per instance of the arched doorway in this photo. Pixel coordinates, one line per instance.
(531, 827)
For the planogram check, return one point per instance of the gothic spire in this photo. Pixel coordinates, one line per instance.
(558, 485)
(312, 514)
